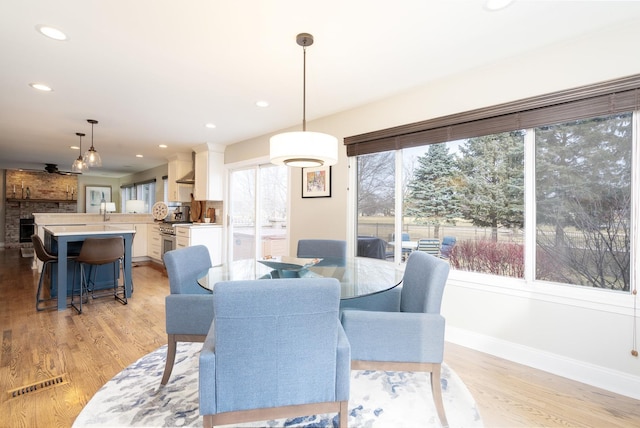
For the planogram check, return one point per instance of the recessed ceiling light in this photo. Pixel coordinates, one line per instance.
(496, 4)
(52, 33)
(40, 87)
(210, 125)
(74, 147)
(262, 104)
(139, 156)
(162, 146)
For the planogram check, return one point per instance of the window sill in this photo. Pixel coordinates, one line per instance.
(617, 302)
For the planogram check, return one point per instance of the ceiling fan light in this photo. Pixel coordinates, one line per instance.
(303, 149)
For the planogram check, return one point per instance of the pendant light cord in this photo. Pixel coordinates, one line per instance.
(304, 88)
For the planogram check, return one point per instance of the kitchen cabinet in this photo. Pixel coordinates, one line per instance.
(209, 172)
(179, 165)
(154, 244)
(207, 235)
(139, 247)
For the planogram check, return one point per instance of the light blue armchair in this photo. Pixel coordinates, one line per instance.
(404, 331)
(276, 349)
(189, 307)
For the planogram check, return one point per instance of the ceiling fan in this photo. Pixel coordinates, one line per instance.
(52, 168)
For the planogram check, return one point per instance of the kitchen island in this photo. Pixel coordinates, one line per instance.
(57, 240)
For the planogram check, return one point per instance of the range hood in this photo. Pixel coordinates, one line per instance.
(190, 177)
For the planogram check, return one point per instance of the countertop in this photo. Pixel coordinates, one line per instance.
(199, 225)
(81, 229)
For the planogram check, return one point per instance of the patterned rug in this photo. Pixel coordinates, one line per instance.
(134, 398)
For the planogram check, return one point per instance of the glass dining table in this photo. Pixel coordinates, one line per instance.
(358, 276)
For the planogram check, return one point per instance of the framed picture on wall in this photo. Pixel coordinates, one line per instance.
(316, 182)
(94, 195)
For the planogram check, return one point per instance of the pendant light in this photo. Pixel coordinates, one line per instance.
(92, 157)
(304, 149)
(79, 164)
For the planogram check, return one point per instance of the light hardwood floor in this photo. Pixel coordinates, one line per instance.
(89, 349)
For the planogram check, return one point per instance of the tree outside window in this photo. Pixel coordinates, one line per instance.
(473, 191)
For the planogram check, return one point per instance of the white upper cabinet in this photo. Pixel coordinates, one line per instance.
(209, 167)
(179, 165)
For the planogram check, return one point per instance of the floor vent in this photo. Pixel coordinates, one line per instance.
(38, 386)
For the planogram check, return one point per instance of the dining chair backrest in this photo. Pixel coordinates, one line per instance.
(332, 248)
(185, 266)
(423, 283)
(276, 344)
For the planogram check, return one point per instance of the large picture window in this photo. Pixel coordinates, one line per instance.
(466, 195)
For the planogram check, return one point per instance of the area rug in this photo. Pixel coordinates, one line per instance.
(134, 398)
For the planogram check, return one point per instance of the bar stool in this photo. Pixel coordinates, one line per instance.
(47, 260)
(96, 252)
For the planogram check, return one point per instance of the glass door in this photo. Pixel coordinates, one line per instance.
(258, 198)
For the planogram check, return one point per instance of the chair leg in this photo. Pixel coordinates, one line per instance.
(436, 390)
(207, 421)
(344, 414)
(82, 287)
(119, 266)
(39, 299)
(171, 358)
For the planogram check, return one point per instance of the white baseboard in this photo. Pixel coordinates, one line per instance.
(590, 374)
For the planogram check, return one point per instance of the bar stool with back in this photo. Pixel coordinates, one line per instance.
(96, 252)
(47, 260)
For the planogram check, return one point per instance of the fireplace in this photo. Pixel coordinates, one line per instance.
(27, 228)
(19, 219)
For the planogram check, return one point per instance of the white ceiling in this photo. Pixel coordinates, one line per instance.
(156, 71)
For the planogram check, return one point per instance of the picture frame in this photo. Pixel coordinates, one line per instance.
(316, 182)
(94, 195)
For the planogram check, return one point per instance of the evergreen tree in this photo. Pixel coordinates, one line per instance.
(583, 200)
(492, 181)
(431, 198)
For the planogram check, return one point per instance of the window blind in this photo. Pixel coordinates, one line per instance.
(599, 99)
(151, 180)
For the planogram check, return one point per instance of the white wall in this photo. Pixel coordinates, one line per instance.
(84, 181)
(580, 339)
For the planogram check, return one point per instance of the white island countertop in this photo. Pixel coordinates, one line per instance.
(92, 229)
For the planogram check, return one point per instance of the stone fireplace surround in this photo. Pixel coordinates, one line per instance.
(49, 193)
(19, 210)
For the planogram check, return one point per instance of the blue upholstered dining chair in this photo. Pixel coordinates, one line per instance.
(189, 307)
(405, 330)
(333, 252)
(276, 349)
(331, 248)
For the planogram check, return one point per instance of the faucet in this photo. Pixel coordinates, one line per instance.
(106, 207)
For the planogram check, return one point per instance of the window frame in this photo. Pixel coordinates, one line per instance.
(608, 97)
(130, 191)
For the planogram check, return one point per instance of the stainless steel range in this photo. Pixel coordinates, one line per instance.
(168, 235)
